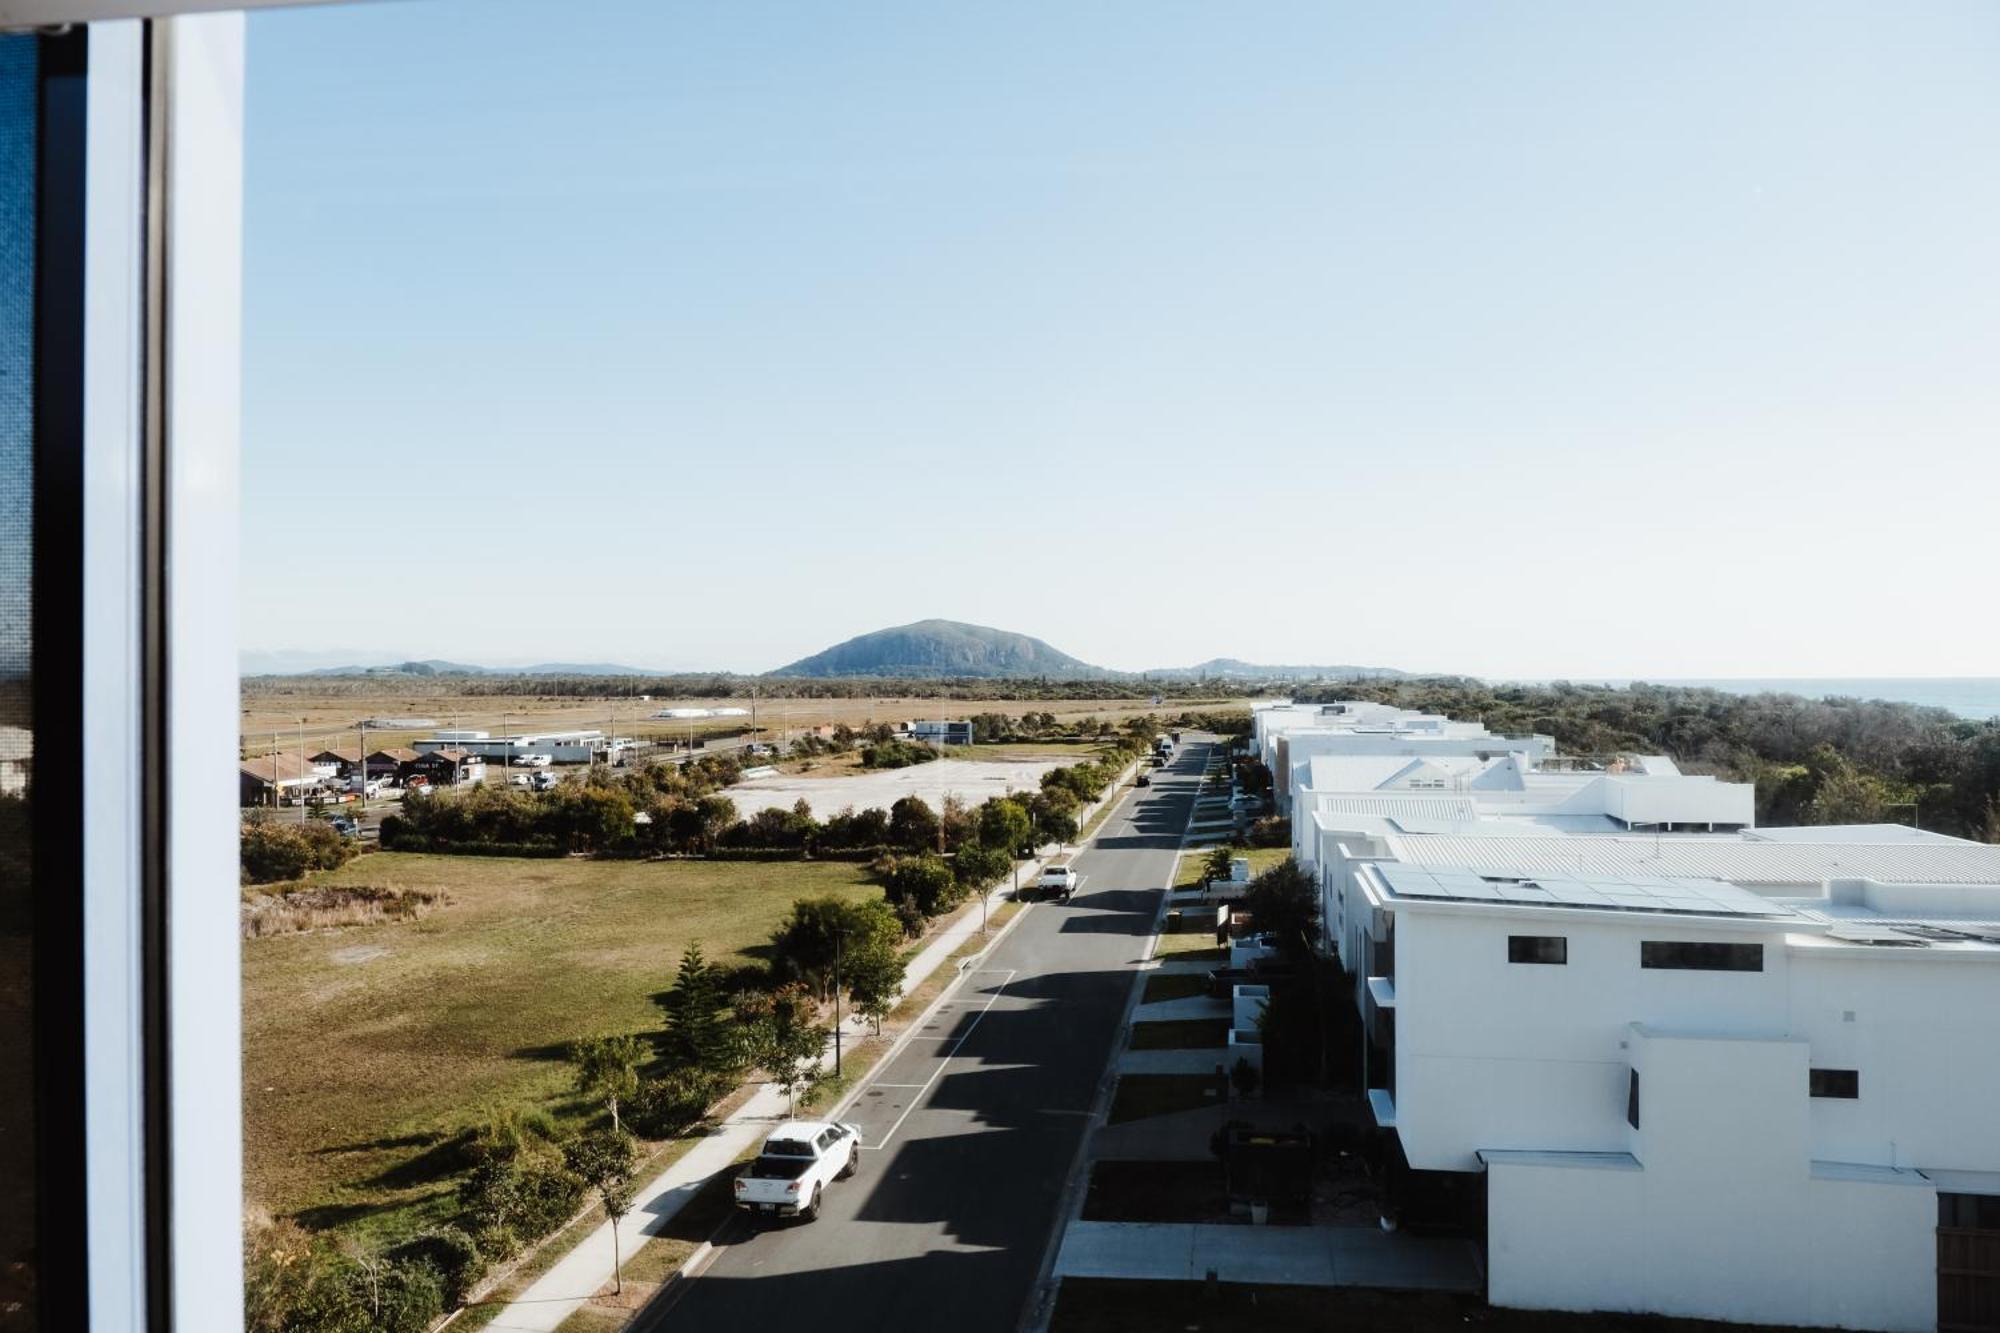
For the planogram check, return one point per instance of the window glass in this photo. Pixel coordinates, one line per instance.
(1537, 949)
(1836, 1082)
(1632, 1100)
(18, 69)
(1703, 956)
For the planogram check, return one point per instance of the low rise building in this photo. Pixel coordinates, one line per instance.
(1693, 1096)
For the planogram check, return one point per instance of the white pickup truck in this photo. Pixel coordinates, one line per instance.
(1059, 880)
(799, 1160)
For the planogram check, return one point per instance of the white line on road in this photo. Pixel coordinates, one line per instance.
(943, 1060)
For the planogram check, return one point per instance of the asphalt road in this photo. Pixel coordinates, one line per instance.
(970, 1131)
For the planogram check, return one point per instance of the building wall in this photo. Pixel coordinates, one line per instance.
(1493, 1054)
(1834, 1254)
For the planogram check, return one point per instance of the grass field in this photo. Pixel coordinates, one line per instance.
(1261, 859)
(365, 1049)
(276, 710)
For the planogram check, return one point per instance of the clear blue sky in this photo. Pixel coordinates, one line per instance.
(1541, 339)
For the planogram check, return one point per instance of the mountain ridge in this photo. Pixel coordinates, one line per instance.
(941, 648)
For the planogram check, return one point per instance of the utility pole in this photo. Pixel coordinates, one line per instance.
(302, 770)
(838, 938)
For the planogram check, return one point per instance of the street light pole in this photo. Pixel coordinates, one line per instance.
(838, 936)
(302, 770)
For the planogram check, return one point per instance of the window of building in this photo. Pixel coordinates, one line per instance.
(1702, 956)
(1836, 1083)
(1632, 1100)
(1537, 949)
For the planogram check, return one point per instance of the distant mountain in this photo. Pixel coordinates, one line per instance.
(1230, 668)
(941, 648)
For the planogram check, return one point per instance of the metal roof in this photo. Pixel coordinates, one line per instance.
(1740, 861)
(1614, 893)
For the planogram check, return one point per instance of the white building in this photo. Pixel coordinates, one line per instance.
(563, 747)
(1688, 1096)
(1286, 736)
(1349, 796)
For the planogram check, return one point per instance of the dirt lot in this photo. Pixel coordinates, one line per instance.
(972, 781)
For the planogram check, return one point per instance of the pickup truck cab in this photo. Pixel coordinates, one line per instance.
(799, 1160)
(1059, 880)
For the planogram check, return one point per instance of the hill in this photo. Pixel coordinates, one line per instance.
(436, 667)
(1231, 668)
(940, 648)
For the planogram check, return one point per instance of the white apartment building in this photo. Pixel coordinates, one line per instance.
(1695, 1097)
(1353, 797)
(1287, 735)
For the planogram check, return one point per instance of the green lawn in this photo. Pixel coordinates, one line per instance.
(1140, 1095)
(1261, 859)
(1173, 986)
(1188, 1034)
(366, 1049)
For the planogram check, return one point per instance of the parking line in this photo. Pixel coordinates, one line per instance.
(942, 1060)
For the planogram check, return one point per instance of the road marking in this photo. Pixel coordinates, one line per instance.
(897, 1085)
(943, 1059)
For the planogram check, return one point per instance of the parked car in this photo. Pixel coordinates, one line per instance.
(521, 780)
(347, 828)
(534, 761)
(1142, 781)
(544, 781)
(798, 1161)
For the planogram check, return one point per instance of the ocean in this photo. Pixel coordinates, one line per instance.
(1968, 696)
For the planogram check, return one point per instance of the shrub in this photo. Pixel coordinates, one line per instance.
(977, 868)
(923, 881)
(673, 1103)
(451, 1253)
(272, 851)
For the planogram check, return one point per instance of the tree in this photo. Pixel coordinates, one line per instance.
(607, 1068)
(1285, 901)
(1216, 865)
(783, 1037)
(924, 882)
(697, 1038)
(821, 932)
(912, 825)
(1004, 826)
(604, 1161)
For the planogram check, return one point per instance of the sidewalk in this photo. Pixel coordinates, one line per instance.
(1280, 1256)
(581, 1273)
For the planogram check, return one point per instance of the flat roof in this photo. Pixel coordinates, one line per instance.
(1738, 860)
(1650, 894)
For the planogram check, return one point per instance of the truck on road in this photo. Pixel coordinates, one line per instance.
(1058, 881)
(799, 1160)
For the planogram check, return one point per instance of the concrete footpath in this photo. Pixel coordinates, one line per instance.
(585, 1270)
(1276, 1256)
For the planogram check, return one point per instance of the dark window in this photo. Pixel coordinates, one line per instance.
(1632, 1100)
(1969, 1212)
(1685, 956)
(1836, 1083)
(1537, 949)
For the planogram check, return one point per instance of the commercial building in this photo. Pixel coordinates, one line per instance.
(562, 747)
(939, 733)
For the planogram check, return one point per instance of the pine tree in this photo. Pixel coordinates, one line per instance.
(697, 1038)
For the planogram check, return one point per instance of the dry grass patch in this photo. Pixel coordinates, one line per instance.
(367, 1050)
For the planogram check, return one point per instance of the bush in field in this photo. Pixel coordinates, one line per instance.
(272, 850)
(925, 882)
(895, 754)
(294, 1282)
(451, 1253)
(856, 830)
(828, 932)
(519, 1183)
(775, 829)
(912, 825)
(673, 1103)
